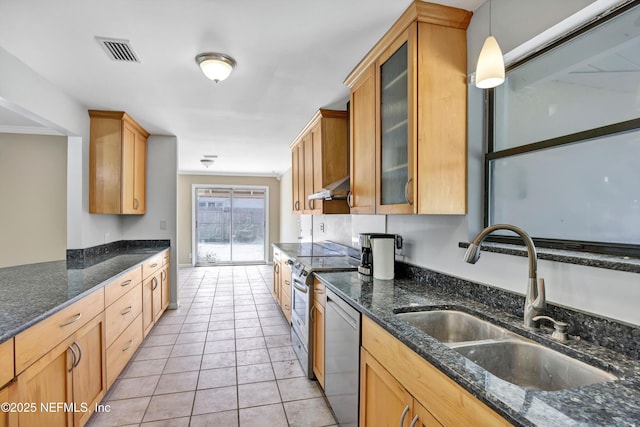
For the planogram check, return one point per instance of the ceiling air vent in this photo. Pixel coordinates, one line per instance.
(118, 49)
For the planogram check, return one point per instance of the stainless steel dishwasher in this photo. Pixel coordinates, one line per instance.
(342, 359)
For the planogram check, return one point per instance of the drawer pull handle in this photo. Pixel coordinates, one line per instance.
(79, 353)
(286, 307)
(404, 414)
(319, 291)
(288, 283)
(136, 204)
(126, 283)
(127, 310)
(72, 320)
(414, 421)
(75, 357)
(155, 283)
(128, 345)
(155, 264)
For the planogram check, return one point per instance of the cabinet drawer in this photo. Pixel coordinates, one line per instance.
(166, 256)
(151, 265)
(121, 313)
(319, 292)
(119, 353)
(122, 285)
(31, 344)
(6, 361)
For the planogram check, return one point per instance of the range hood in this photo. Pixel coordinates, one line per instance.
(337, 190)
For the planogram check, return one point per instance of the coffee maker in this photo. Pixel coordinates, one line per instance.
(365, 269)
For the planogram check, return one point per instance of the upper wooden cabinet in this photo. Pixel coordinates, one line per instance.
(117, 164)
(320, 156)
(408, 106)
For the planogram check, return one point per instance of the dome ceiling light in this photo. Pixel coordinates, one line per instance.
(216, 66)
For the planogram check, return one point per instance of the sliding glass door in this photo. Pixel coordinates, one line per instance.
(230, 225)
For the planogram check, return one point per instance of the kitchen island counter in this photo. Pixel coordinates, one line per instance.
(32, 292)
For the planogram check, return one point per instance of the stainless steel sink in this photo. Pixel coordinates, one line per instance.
(532, 365)
(450, 326)
(505, 354)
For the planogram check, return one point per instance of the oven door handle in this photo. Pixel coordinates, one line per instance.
(304, 290)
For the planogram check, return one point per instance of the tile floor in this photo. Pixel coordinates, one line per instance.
(224, 358)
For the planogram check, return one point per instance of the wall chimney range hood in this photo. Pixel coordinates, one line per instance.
(337, 190)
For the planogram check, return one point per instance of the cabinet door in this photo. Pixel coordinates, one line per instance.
(276, 278)
(421, 417)
(49, 382)
(315, 142)
(318, 342)
(8, 394)
(148, 286)
(295, 203)
(397, 128)
(383, 400)
(166, 286)
(156, 287)
(89, 372)
(134, 155)
(362, 199)
(308, 173)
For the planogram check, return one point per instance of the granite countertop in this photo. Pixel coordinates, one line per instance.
(604, 404)
(33, 292)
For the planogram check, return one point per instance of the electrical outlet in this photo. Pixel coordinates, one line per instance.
(322, 227)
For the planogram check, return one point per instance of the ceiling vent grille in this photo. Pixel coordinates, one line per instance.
(118, 49)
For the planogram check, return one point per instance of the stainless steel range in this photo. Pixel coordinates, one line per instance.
(302, 301)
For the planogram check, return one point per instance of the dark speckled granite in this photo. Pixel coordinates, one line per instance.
(605, 404)
(32, 292)
(82, 258)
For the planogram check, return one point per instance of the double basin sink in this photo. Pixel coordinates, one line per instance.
(505, 354)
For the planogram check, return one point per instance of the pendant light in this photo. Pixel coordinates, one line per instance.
(490, 68)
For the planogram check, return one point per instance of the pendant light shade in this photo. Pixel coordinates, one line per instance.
(490, 68)
(216, 66)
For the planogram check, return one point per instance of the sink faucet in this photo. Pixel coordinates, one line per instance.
(535, 297)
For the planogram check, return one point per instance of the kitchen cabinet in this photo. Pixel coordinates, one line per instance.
(72, 373)
(362, 144)
(7, 393)
(319, 303)
(282, 282)
(320, 156)
(117, 164)
(152, 295)
(416, 115)
(393, 377)
(165, 284)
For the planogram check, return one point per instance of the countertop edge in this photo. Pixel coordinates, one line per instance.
(14, 332)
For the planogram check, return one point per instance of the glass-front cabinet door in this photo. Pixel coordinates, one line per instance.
(395, 148)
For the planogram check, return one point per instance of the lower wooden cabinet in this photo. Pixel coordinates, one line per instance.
(319, 302)
(166, 287)
(7, 394)
(151, 301)
(123, 348)
(395, 379)
(69, 380)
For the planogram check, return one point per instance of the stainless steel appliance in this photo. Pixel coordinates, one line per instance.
(366, 257)
(342, 359)
(302, 301)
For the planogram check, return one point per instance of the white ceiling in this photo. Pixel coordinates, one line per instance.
(292, 55)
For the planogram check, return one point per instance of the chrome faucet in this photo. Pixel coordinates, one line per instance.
(535, 300)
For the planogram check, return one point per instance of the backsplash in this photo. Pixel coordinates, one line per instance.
(620, 337)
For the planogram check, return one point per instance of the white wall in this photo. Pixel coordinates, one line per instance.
(27, 93)
(432, 241)
(161, 219)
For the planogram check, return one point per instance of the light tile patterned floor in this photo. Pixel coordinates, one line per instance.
(224, 358)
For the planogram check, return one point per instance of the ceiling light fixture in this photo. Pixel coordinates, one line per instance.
(206, 162)
(490, 68)
(216, 66)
